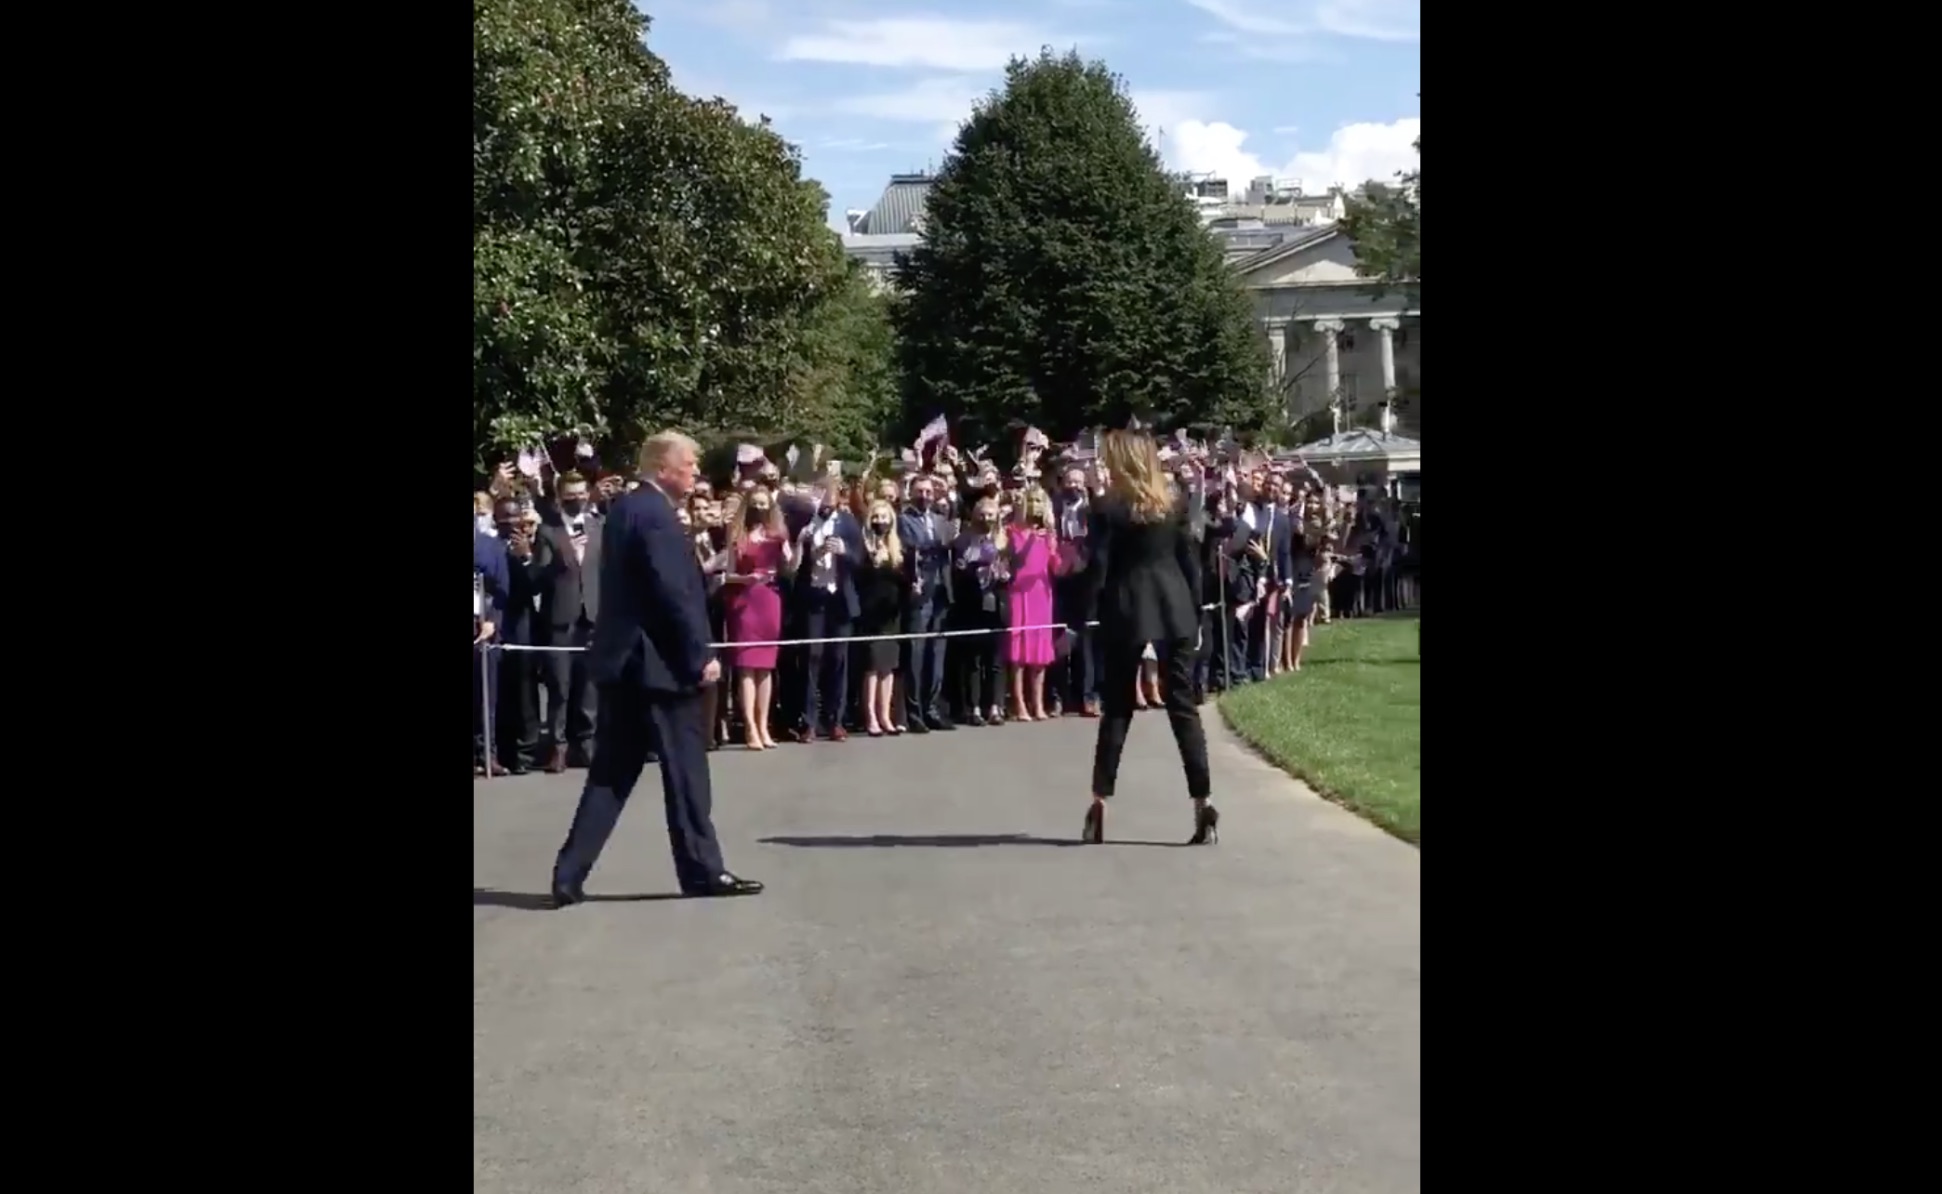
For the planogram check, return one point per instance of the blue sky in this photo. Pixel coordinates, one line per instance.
(1320, 90)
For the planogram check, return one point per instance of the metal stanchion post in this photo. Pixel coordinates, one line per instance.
(485, 702)
(1226, 660)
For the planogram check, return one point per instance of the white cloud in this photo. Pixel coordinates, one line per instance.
(1248, 19)
(854, 145)
(1290, 37)
(1376, 20)
(933, 42)
(941, 101)
(1355, 153)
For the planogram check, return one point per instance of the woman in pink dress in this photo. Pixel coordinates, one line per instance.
(1029, 551)
(758, 553)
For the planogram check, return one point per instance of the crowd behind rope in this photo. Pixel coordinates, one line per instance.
(949, 596)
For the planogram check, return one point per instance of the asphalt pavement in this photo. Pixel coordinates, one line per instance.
(942, 991)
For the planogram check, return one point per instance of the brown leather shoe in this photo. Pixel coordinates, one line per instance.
(805, 737)
(1091, 709)
(556, 762)
(839, 734)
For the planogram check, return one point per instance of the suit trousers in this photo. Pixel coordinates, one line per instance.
(824, 678)
(633, 723)
(517, 707)
(1120, 670)
(485, 683)
(924, 657)
(572, 702)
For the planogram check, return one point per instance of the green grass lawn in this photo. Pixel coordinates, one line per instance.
(1350, 722)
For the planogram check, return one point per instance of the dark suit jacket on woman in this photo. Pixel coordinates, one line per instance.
(1142, 578)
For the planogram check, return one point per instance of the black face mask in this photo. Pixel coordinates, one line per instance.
(881, 528)
(573, 505)
(756, 518)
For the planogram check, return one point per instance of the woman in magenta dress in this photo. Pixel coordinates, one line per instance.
(759, 552)
(1029, 551)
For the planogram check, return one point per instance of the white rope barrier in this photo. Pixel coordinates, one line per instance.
(846, 638)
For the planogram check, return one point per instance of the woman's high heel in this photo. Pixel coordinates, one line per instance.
(1095, 828)
(1206, 826)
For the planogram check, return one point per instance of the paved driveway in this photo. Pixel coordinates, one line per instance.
(939, 992)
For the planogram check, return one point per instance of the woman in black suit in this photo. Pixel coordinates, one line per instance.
(1142, 577)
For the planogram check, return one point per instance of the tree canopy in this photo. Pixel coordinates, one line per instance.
(640, 257)
(1385, 227)
(1064, 279)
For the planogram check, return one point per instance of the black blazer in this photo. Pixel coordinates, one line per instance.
(653, 627)
(567, 587)
(1141, 578)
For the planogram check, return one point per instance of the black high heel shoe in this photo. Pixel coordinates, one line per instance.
(1206, 826)
(1095, 828)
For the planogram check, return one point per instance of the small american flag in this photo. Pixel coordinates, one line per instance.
(935, 429)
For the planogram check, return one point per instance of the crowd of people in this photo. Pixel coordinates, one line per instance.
(940, 595)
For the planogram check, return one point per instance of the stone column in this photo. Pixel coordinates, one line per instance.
(1277, 352)
(1387, 325)
(1330, 330)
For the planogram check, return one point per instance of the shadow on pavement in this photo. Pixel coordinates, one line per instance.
(944, 840)
(526, 901)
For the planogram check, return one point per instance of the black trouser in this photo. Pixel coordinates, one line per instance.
(1075, 678)
(1120, 672)
(516, 711)
(634, 724)
(485, 679)
(1205, 656)
(980, 675)
(824, 681)
(924, 657)
(572, 702)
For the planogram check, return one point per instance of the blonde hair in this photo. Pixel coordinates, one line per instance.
(772, 524)
(660, 447)
(1133, 471)
(886, 548)
(1034, 509)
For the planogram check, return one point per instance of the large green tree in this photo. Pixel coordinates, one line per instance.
(639, 256)
(1064, 279)
(1385, 225)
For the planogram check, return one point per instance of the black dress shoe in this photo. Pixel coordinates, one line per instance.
(566, 896)
(938, 723)
(917, 727)
(726, 884)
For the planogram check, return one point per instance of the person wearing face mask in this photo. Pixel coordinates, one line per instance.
(825, 603)
(759, 555)
(490, 584)
(880, 597)
(927, 570)
(516, 713)
(978, 604)
(1075, 679)
(566, 575)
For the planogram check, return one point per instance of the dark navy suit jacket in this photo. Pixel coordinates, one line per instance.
(653, 627)
(851, 533)
(930, 563)
(489, 559)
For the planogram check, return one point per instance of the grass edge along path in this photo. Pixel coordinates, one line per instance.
(1349, 724)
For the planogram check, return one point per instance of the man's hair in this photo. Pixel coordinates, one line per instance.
(572, 476)
(660, 446)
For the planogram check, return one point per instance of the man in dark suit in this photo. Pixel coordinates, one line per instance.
(566, 571)
(828, 546)
(927, 566)
(1078, 671)
(516, 723)
(490, 587)
(650, 658)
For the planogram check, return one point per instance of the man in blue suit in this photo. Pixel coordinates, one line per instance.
(491, 583)
(828, 547)
(927, 566)
(650, 659)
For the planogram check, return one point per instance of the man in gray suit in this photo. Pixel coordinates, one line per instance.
(566, 575)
